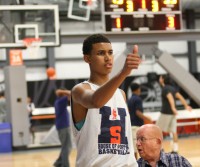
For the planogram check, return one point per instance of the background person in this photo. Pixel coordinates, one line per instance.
(63, 126)
(135, 106)
(30, 108)
(2, 108)
(167, 120)
(149, 145)
(101, 121)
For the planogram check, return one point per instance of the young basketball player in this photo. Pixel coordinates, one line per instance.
(101, 122)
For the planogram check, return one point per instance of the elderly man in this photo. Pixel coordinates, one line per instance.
(149, 145)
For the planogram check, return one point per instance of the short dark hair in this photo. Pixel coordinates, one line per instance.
(167, 80)
(93, 39)
(62, 88)
(135, 86)
(2, 93)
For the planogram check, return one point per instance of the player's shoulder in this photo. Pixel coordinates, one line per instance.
(81, 86)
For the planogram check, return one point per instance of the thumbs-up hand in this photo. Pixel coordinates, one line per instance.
(132, 61)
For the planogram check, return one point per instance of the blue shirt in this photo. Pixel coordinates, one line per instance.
(62, 115)
(134, 104)
(167, 160)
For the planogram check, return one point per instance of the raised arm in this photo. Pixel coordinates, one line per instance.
(83, 95)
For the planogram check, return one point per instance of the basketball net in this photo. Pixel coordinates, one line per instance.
(32, 46)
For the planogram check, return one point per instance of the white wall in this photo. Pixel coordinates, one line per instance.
(79, 69)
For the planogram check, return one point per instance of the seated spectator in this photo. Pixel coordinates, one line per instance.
(149, 144)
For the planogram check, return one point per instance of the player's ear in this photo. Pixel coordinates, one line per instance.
(87, 58)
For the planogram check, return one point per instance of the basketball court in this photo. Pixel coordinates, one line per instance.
(30, 28)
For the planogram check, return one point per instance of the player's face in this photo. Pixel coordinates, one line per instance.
(101, 58)
(161, 80)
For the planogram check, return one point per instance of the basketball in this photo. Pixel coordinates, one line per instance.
(51, 72)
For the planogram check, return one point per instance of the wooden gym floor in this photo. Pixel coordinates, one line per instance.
(189, 147)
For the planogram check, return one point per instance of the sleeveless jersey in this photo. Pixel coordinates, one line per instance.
(105, 140)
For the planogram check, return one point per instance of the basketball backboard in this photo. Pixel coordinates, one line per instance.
(29, 21)
(77, 11)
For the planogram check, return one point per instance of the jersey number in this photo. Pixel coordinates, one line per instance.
(115, 133)
(112, 131)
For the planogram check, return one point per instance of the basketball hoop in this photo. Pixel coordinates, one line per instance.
(32, 46)
(88, 4)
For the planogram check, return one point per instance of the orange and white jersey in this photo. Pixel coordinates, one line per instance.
(105, 140)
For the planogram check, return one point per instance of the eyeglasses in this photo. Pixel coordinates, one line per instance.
(143, 139)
